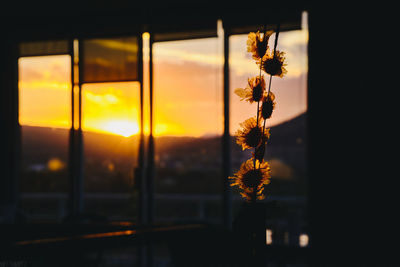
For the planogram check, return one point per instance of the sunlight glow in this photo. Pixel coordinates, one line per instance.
(44, 91)
(124, 128)
(111, 108)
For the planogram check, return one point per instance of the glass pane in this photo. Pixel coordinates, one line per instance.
(110, 124)
(110, 60)
(188, 127)
(286, 149)
(43, 48)
(45, 119)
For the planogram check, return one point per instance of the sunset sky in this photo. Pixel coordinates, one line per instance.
(188, 80)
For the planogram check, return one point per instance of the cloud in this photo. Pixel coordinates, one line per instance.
(167, 54)
(293, 38)
(293, 43)
(121, 44)
(209, 52)
(45, 70)
(101, 99)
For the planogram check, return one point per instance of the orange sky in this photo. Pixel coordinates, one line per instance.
(187, 89)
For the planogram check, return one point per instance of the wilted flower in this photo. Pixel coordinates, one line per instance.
(254, 90)
(257, 44)
(268, 105)
(273, 63)
(252, 180)
(251, 134)
(255, 172)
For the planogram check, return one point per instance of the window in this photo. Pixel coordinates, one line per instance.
(110, 124)
(44, 116)
(109, 76)
(188, 127)
(109, 59)
(51, 120)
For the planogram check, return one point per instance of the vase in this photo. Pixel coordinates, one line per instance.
(249, 228)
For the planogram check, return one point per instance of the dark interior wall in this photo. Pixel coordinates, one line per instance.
(352, 198)
(9, 151)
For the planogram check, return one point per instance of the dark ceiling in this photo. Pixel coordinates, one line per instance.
(78, 18)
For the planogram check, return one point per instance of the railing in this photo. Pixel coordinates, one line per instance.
(280, 231)
(60, 200)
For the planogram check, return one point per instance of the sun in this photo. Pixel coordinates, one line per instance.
(121, 127)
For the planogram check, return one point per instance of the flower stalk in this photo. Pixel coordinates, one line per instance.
(255, 173)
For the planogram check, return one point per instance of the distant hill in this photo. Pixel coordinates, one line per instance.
(288, 142)
(290, 132)
(40, 142)
(109, 159)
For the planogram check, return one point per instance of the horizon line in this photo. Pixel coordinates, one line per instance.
(206, 135)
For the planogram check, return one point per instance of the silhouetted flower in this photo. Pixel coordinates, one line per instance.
(250, 134)
(274, 64)
(255, 172)
(257, 44)
(252, 180)
(268, 105)
(254, 90)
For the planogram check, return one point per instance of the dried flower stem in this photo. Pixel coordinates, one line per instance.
(269, 90)
(255, 149)
(258, 111)
(270, 76)
(276, 37)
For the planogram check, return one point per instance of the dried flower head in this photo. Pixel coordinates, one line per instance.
(257, 44)
(250, 134)
(268, 105)
(252, 180)
(254, 90)
(274, 63)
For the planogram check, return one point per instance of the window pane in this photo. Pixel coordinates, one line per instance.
(188, 127)
(45, 117)
(286, 148)
(43, 48)
(110, 60)
(110, 124)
